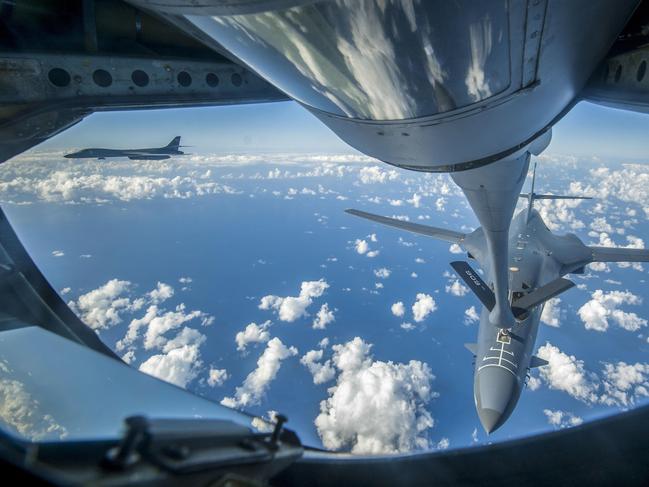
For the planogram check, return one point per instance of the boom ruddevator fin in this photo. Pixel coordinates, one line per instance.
(438, 233)
(540, 295)
(537, 362)
(519, 307)
(472, 347)
(475, 283)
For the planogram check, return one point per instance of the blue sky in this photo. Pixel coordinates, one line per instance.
(183, 254)
(587, 130)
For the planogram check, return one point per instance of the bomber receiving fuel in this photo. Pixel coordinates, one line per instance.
(150, 154)
(537, 260)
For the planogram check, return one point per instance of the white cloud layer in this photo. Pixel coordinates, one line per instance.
(321, 372)
(566, 373)
(456, 288)
(256, 384)
(376, 407)
(323, 318)
(173, 357)
(398, 309)
(562, 419)
(602, 309)
(291, 308)
(253, 333)
(423, 306)
(101, 308)
(374, 174)
(619, 384)
(216, 377)
(551, 312)
(471, 316)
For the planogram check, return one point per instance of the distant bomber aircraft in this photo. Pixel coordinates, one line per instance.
(152, 154)
(536, 261)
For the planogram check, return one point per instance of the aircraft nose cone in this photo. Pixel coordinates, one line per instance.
(496, 393)
(489, 419)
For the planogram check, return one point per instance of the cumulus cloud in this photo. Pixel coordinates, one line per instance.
(376, 407)
(374, 174)
(363, 248)
(551, 312)
(291, 308)
(471, 316)
(456, 288)
(618, 384)
(624, 383)
(566, 373)
(398, 309)
(382, 273)
(163, 322)
(321, 372)
(323, 317)
(179, 363)
(597, 313)
(101, 308)
(630, 184)
(258, 381)
(415, 200)
(423, 306)
(455, 249)
(88, 184)
(216, 377)
(442, 444)
(559, 214)
(176, 356)
(562, 419)
(161, 293)
(253, 333)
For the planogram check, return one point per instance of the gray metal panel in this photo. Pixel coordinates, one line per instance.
(438, 233)
(611, 254)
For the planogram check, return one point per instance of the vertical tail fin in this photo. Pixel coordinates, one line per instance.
(532, 196)
(174, 144)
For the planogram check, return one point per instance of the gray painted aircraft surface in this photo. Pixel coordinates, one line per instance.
(150, 154)
(536, 262)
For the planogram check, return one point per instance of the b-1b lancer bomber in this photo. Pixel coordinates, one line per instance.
(150, 154)
(536, 261)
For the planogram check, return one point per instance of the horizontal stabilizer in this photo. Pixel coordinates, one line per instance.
(541, 295)
(614, 254)
(475, 283)
(438, 233)
(554, 197)
(537, 362)
(472, 347)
